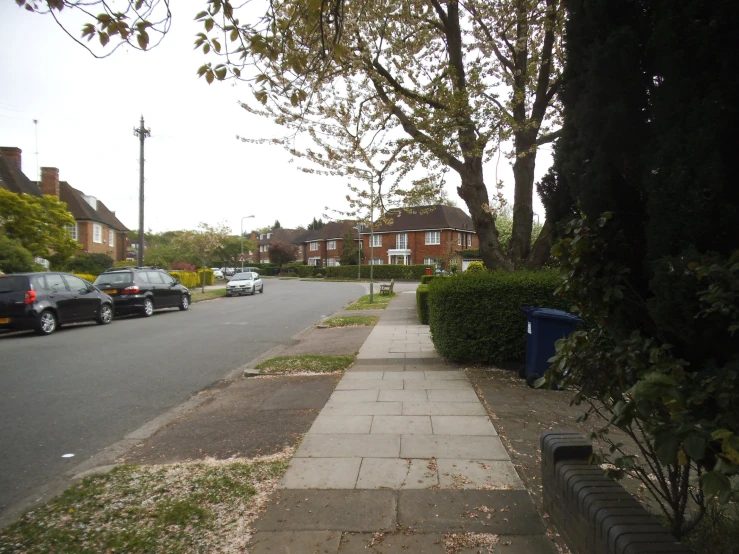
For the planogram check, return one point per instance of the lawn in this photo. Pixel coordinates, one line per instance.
(179, 508)
(305, 364)
(380, 302)
(351, 321)
(197, 296)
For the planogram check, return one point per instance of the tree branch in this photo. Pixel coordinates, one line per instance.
(507, 64)
(397, 87)
(543, 92)
(549, 137)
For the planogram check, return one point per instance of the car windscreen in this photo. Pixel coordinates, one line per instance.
(118, 278)
(13, 283)
(242, 277)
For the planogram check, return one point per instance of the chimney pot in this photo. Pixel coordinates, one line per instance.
(50, 181)
(13, 154)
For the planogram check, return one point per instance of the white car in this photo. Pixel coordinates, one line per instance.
(245, 283)
(217, 273)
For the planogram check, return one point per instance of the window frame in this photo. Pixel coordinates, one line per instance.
(97, 231)
(398, 242)
(111, 238)
(314, 247)
(433, 235)
(72, 229)
(331, 245)
(376, 241)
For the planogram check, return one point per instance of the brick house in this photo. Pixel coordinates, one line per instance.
(323, 247)
(264, 240)
(96, 228)
(422, 235)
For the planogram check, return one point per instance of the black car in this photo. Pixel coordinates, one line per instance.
(44, 301)
(143, 290)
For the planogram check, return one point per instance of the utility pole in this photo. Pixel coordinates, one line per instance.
(142, 133)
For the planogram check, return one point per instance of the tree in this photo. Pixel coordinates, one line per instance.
(276, 224)
(231, 250)
(281, 252)
(459, 79)
(14, 258)
(646, 159)
(203, 243)
(316, 224)
(39, 223)
(351, 254)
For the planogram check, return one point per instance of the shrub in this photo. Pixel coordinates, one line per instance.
(86, 276)
(422, 303)
(426, 279)
(187, 278)
(182, 266)
(318, 275)
(304, 271)
(89, 263)
(477, 316)
(386, 272)
(14, 258)
(475, 267)
(209, 278)
(125, 263)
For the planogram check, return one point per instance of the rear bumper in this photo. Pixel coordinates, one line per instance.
(19, 322)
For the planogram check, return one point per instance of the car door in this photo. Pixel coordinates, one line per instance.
(60, 297)
(158, 289)
(173, 292)
(86, 301)
(257, 282)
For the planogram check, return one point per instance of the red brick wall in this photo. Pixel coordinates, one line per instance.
(85, 236)
(417, 244)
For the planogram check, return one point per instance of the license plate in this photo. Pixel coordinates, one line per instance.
(4, 320)
(110, 291)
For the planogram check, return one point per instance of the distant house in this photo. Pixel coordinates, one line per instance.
(96, 227)
(323, 247)
(264, 240)
(420, 235)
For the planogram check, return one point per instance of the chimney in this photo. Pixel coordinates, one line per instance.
(50, 181)
(11, 153)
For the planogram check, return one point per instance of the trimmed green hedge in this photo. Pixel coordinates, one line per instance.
(426, 279)
(209, 278)
(476, 317)
(391, 271)
(422, 303)
(187, 278)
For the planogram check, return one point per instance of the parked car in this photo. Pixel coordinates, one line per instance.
(44, 301)
(143, 290)
(217, 273)
(228, 271)
(245, 283)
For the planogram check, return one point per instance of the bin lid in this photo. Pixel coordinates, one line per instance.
(528, 310)
(559, 315)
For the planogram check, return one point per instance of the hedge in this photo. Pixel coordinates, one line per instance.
(422, 303)
(125, 263)
(187, 278)
(87, 276)
(426, 279)
(388, 271)
(476, 317)
(209, 276)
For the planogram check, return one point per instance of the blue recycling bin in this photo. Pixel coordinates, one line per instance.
(544, 327)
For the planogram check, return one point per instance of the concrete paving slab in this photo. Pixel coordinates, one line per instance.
(460, 425)
(478, 474)
(442, 408)
(366, 384)
(450, 511)
(354, 446)
(354, 396)
(396, 474)
(330, 510)
(404, 375)
(321, 473)
(523, 544)
(403, 396)
(448, 446)
(364, 408)
(428, 366)
(453, 375)
(452, 396)
(438, 384)
(295, 542)
(401, 425)
(326, 423)
(359, 375)
(392, 543)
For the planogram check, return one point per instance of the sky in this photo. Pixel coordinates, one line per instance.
(196, 169)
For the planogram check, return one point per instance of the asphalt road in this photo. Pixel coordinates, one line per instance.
(87, 386)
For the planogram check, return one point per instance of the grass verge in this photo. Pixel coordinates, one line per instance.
(380, 302)
(207, 295)
(305, 364)
(351, 321)
(180, 508)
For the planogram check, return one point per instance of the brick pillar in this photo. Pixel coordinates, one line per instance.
(12, 154)
(50, 181)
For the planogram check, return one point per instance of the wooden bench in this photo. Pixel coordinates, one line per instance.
(387, 289)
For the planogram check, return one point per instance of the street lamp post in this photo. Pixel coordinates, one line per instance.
(242, 240)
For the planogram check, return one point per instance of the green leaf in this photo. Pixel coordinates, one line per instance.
(216, 45)
(666, 447)
(720, 434)
(221, 73)
(695, 446)
(209, 76)
(143, 39)
(209, 24)
(714, 483)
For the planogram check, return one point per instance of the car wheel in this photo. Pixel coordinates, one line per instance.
(148, 307)
(228, 295)
(253, 291)
(106, 314)
(46, 323)
(184, 303)
(262, 289)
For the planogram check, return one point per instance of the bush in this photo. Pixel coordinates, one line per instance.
(318, 275)
(477, 316)
(14, 258)
(422, 303)
(86, 276)
(89, 263)
(182, 266)
(187, 278)
(125, 263)
(426, 279)
(475, 267)
(209, 277)
(385, 272)
(304, 270)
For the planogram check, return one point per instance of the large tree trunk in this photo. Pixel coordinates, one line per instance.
(542, 249)
(523, 209)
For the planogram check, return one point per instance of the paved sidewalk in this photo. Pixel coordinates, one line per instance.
(401, 456)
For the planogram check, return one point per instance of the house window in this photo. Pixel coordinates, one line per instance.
(469, 239)
(433, 237)
(459, 239)
(269, 235)
(331, 245)
(72, 230)
(376, 240)
(97, 233)
(313, 246)
(332, 262)
(314, 261)
(376, 261)
(111, 237)
(401, 241)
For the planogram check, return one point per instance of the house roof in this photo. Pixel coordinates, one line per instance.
(423, 218)
(334, 230)
(82, 210)
(14, 180)
(285, 235)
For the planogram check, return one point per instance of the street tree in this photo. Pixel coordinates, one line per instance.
(461, 79)
(203, 244)
(39, 223)
(351, 254)
(281, 253)
(230, 251)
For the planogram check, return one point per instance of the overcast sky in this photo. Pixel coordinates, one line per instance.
(196, 169)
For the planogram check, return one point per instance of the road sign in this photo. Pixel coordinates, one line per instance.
(242, 258)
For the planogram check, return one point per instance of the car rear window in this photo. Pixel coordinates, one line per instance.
(13, 283)
(118, 278)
